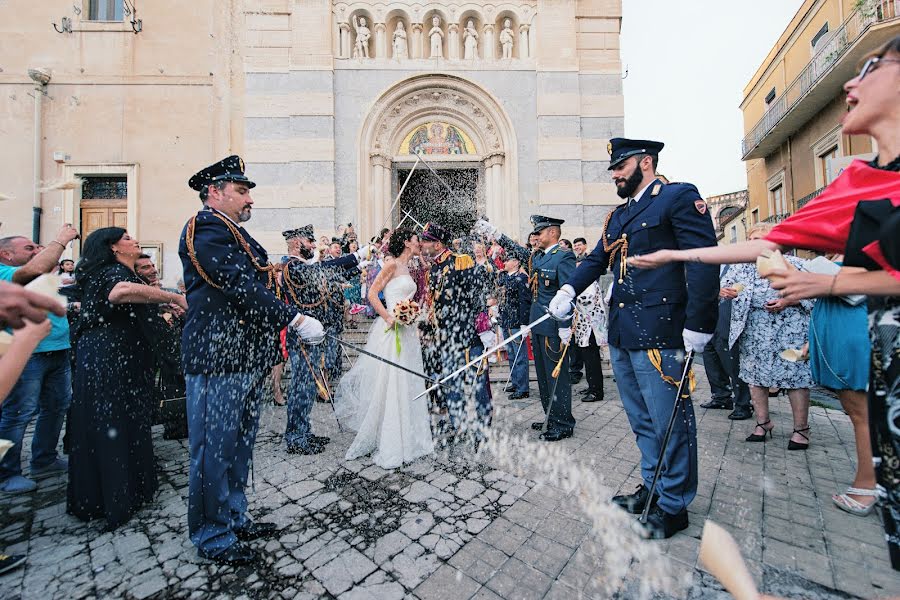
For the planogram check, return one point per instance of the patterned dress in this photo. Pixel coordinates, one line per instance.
(763, 335)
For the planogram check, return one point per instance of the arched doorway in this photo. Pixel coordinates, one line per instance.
(463, 133)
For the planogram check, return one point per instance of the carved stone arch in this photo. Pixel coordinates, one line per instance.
(455, 100)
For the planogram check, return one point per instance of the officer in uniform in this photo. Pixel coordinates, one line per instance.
(550, 267)
(229, 346)
(654, 316)
(309, 286)
(453, 286)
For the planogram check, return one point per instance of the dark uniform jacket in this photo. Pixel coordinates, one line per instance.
(453, 288)
(316, 290)
(231, 326)
(515, 300)
(547, 272)
(649, 308)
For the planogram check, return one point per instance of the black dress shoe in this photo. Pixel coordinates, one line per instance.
(255, 531)
(661, 525)
(554, 435)
(235, 555)
(509, 388)
(537, 425)
(717, 404)
(519, 395)
(307, 450)
(575, 378)
(634, 503)
(592, 397)
(320, 439)
(741, 413)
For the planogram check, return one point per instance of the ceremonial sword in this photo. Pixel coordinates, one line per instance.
(385, 361)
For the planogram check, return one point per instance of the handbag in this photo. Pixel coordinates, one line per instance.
(482, 322)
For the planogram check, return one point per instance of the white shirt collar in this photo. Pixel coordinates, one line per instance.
(640, 194)
(547, 251)
(211, 209)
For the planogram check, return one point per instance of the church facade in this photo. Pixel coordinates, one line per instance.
(475, 108)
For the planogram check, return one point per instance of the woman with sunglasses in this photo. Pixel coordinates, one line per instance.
(856, 215)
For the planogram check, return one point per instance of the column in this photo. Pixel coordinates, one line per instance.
(453, 41)
(523, 41)
(344, 42)
(415, 47)
(380, 45)
(381, 165)
(488, 189)
(487, 39)
(532, 40)
(495, 201)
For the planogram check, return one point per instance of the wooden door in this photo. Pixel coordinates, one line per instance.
(96, 214)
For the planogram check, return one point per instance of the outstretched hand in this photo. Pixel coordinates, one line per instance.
(797, 285)
(652, 260)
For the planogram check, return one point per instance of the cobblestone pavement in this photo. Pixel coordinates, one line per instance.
(457, 526)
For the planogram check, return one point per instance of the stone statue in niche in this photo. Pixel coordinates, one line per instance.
(436, 35)
(362, 38)
(401, 48)
(470, 36)
(507, 39)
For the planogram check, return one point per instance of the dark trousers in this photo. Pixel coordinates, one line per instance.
(547, 352)
(593, 365)
(576, 362)
(721, 366)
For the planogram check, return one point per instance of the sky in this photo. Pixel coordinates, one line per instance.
(688, 62)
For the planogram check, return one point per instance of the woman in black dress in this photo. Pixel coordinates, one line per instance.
(111, 466)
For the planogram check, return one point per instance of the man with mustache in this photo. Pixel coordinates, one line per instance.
(229, 345)
(654, 316)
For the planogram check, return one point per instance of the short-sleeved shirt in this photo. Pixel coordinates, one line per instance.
(58, 338)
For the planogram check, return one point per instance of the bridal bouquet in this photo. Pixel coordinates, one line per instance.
(405, 313)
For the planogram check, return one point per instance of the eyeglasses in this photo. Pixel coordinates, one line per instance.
(872, 64)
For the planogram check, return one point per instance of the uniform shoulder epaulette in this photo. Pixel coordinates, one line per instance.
(463, 261)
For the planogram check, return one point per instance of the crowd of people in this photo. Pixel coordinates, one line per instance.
(127, 352)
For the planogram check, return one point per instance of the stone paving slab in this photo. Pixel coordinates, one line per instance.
(462, 526)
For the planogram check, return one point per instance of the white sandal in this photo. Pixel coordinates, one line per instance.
(852, 506)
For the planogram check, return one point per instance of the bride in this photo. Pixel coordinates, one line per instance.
(374, 399)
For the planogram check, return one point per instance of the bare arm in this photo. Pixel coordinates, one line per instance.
(24, 341)
(744, 252)
(797, 285)
(385, 275)
(126, 292)
(47, 259)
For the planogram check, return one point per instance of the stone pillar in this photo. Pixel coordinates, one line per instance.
(380, 45)
(487, 39)
(381, 169)
(344, 41)
(523, 41)
(453, 41)
(532, 40)
(415, 48)
(494, 195)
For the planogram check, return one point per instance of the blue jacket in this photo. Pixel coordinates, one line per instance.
(454, 286)
(235, 328)
(650, 308)
(547, 272)
(317, 288)
(515, 300)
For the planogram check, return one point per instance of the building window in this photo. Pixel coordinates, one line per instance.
(770, 96)
(819, 35)
(104, 188)
(754, 216)
(734, 234)
(826, 166)
(105, 10)
(777, 202)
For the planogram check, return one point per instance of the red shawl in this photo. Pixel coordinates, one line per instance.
(823, 225)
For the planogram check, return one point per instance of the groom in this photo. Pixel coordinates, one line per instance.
(452, 284)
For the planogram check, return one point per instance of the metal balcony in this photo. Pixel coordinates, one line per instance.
(823, 78)
(805, 199)
(776, 218)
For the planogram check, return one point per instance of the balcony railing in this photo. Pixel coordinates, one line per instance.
(805, 199)
(843, 38)
(776, 218)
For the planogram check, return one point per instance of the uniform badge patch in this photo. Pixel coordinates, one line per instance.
(700, 205)
(609, 148)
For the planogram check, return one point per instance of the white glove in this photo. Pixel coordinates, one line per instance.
(565, 334)
(694, 340)
(485, 229)
(311, 261)
(561, 305)
(364, 253)
(310, 330)
(363, 264)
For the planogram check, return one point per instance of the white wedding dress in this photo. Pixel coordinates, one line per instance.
(376, 400)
